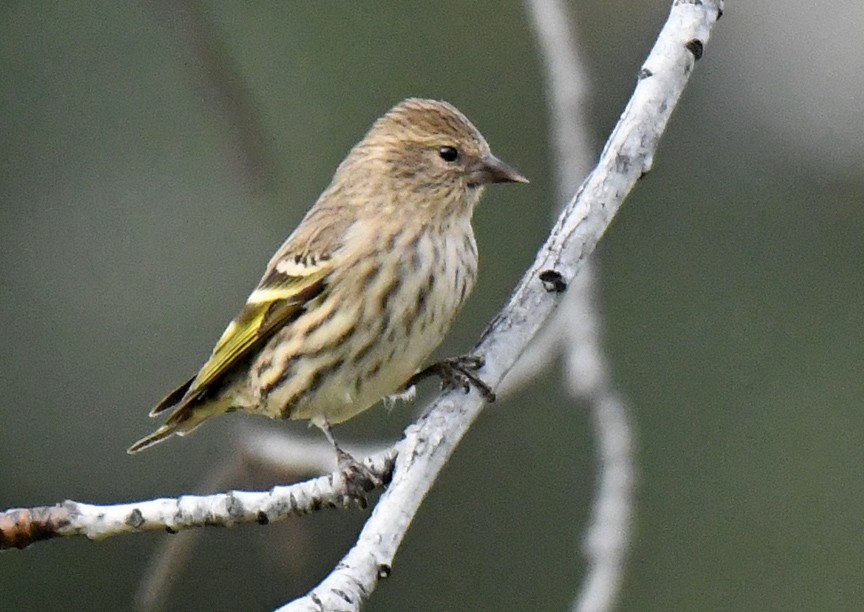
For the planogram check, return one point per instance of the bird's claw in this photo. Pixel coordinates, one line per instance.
(357, 479)
(457, 372)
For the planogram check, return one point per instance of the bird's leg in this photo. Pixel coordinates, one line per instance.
(456, 372)
(357, 477)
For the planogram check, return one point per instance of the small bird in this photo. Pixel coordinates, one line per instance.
(364, 289)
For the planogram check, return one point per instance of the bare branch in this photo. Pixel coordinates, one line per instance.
(172, 555)
(21, 527)
(430, 442)
(265, 448)
(567, 88)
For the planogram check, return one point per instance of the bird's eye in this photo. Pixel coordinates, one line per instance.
(448, 154)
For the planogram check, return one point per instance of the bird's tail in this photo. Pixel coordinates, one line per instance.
(154, 438)
(185, 418)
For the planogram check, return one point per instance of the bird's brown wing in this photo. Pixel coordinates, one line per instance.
(295, 275)
(278, 299)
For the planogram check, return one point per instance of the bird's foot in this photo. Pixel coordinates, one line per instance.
(357, 479)
(457, 372)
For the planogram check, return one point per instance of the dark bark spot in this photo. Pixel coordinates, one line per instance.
(553, 281)
(135, 519)
(695, 47)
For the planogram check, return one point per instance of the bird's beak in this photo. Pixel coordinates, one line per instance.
(490, 169)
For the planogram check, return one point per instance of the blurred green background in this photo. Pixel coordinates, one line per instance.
(135, 217)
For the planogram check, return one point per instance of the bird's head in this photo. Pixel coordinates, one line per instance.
(429, 148)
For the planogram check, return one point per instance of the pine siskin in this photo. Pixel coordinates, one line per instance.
(364, 289)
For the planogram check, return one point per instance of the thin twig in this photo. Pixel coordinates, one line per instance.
(266, 448)
(20, 528)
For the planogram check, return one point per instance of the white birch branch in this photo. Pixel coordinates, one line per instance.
(21, 527)
(173, 556)
(428, 444)
(269, 448)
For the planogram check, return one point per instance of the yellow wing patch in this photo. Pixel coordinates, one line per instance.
(276, 301)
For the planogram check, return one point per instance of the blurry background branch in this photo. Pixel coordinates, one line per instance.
(222, 87)
(576, 327)
(429, 443)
